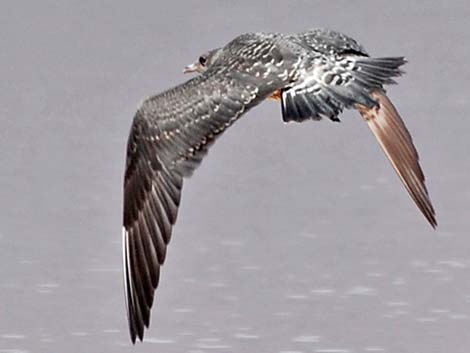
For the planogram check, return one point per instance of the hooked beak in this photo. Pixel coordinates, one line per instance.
(191, 68)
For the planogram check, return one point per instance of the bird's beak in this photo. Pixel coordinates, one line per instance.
(191, 68)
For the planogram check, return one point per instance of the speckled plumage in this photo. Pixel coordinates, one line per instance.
(316, 74)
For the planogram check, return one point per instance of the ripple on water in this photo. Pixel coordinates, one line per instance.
(459, 264)
(308, 235)
(80, 333)
(209, 339)
(382, 180)
(296, 296)
(104, 269)
(212, 346)
(230, 298)
(434, 271)
(374, 349)
(306, 339)
(246, 336)
(186, 333)
(419, 263)
(361, 290)
(323, 291)
(375, 274)
(244, 328)
(426, 319)
(399, 281)
(46, 288)
(159, 340)
(183, 310)
(217, 285)
(367, 187)
(458, 317)
(250, 268)
(13, 336)
(397, 303)
(396, 313)
(232, 243)
(439, 311)
(282, 313)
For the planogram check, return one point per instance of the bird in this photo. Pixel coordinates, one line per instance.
(314, 74)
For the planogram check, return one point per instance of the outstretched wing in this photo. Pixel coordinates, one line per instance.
(152, 193)
(162, 149)
(395, 140)
(169, 137)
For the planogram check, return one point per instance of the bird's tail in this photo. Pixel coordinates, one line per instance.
(324, 90)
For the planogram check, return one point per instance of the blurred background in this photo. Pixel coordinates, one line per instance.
(290, 238)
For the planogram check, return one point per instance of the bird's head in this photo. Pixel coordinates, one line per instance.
(204, 61)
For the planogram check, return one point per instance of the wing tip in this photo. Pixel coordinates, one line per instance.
(432, 220)
(395, 140)
(132, 335)
(135, 330)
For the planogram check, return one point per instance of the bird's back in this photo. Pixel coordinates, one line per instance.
(329, 42)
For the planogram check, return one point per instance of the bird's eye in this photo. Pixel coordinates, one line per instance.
(202, 60)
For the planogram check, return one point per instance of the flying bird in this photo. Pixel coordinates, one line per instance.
(314, 74)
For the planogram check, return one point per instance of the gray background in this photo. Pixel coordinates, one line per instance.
(291, 238)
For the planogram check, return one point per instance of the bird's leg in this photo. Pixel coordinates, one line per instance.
(276, 95)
